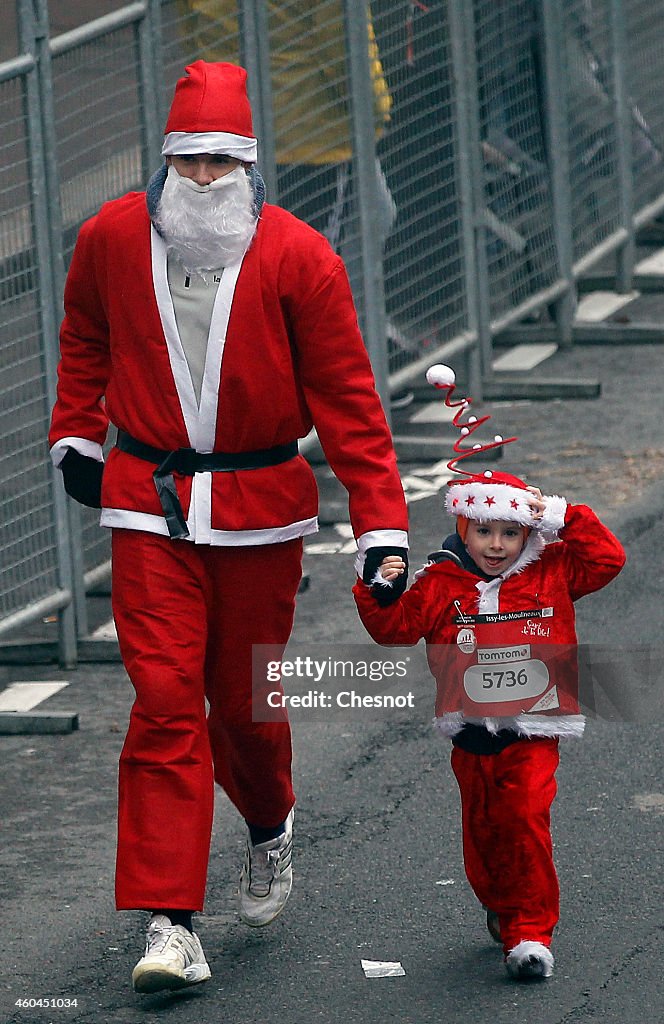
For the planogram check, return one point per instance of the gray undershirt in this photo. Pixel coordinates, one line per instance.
(193, 301)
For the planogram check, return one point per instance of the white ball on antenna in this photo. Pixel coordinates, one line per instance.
(498, 437)
(441, 375)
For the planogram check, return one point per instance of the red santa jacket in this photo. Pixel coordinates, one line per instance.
(284, 353)
(510, 642)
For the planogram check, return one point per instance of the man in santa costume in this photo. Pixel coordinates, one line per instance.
(213, 330)
(496, 608)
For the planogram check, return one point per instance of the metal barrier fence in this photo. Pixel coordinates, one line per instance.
(468, 160)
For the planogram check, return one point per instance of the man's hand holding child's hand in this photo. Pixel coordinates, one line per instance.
(392, 567)
(395, 584)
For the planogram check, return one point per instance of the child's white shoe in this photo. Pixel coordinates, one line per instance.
(530, 960)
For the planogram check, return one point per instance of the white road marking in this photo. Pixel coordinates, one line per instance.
(599, 305)
(105, 632)
(652, 803)
(435, 469)
(434, 412)
(327, 548)
(524, 357)
(26, 696)
(421, 483)
(651, 264)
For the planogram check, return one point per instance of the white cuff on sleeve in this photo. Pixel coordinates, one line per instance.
(79, 444)
(378, 539)
(554, 514)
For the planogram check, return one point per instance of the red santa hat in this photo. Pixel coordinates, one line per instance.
(210, 113)
(487, 495)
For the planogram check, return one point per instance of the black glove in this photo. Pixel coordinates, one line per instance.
(384, 594)
(82, 477)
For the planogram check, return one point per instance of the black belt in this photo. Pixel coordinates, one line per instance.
(187, 461)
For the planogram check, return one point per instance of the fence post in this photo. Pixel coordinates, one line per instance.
(148, 38)
(558, 160)
(623, 123)
(472, 191)
(468, 142)
(255, 51)
(33, 36)
(366, 192)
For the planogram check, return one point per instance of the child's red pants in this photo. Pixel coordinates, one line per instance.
(505, 801)
(187, 617)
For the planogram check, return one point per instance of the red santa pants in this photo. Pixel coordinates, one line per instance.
(505, 803)
(187, 616)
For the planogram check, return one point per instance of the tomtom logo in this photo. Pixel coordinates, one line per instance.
(494, 655)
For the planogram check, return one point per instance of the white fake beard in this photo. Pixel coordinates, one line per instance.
(207, 226)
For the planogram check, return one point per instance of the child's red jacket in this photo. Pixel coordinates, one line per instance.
(503, 652)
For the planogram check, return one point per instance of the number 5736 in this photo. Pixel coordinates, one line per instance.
(507, 677)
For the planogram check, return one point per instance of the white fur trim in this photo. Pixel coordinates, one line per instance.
(125, 519)
(528, 726)
(450, 723)
(216, 343)
(519, 956)
(79, 444)
(378, 539)
(380, 580)
(240, 147)
(553, 518)
(489, 595)
(484, 502)
(176, 356)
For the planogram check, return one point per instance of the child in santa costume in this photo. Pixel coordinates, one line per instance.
(213, 329)
(496, 608)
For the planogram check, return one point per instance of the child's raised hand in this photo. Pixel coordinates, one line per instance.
(392, 567)
(537, 503)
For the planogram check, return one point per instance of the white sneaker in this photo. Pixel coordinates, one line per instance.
(530, 960)
(173, 958)
(267, 878)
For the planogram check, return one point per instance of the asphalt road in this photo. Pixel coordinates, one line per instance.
(378, 863)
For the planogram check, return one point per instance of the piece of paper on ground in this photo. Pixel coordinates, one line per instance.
(382, 969)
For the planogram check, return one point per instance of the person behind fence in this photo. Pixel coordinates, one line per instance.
(316, 170)
(213, 330)
(496, 608)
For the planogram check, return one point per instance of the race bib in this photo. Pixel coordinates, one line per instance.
(503, 682)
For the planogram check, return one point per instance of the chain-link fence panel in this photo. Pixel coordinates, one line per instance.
(27, 515)
(425, 294)
(97, 104)
(645, 75)
(196, 30)
(591, 122)
(518, 216)
(309, 96)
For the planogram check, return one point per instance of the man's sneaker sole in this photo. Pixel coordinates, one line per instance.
(158, 979)
(253, 923)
